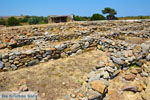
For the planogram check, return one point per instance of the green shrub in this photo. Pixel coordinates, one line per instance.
(134, 17)
(97, 17)
(33, 20)
(2, 21)
(12, 21)
(24, 20)
(80, 18)
(37, 20)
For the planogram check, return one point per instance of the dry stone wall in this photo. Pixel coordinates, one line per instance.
(15, 60)
(88, 37)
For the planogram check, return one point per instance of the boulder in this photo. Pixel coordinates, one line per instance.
(136, 70)
(48, 52)
(100, 65)
(148, 57)
(1, 65)
(146, 94)
(129, 77)
(8, 64)
(93, 76)
(17, 53)
(61, 47)
(104, 74)
(14, 67)
(98, 86)
(113, 95)
(144, 74)
(5, 56)
(75, 47)
(130, 88)
(110, 69)
(145, 47)
(86, 45)
(117, 60)
(80, 51)
(5, 60)
(16, 62)
(29, 52)
(33, 62)
(94, 95)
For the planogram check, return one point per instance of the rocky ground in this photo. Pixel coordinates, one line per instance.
(106, 60)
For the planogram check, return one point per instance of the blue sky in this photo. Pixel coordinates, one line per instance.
(77, 7)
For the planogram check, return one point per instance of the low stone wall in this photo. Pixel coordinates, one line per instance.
(27, 41)
(15, 60)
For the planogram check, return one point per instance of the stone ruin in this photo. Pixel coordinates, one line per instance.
(127, 43)
(59, 19)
